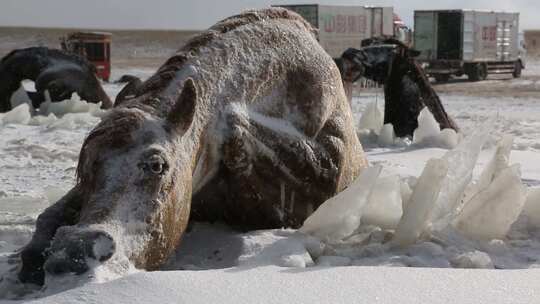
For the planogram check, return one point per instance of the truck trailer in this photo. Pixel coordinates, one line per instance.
(343, 27)
(467, 42)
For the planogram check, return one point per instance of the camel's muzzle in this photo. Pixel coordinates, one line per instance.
(73, 248)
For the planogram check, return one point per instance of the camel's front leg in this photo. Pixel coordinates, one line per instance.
(278, 176)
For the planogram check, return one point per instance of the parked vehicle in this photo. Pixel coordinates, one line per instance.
(470, 42)
(343, 27)
(402, 32)
(522, 49)
(94, 46)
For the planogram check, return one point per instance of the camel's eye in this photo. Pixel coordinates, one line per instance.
(156, 164)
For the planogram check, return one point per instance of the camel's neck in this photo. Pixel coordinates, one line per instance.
(106, 102)
(348, 88)
(422, 80)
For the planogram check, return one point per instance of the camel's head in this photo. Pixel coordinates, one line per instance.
(383, 55)
(377, 58)
(61, 82)
(135, 180)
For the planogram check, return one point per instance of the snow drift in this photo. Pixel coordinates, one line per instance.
(388, 221)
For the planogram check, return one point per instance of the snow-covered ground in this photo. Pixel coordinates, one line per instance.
(332, 263)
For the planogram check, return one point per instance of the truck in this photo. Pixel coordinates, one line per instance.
(343, 27)
(94, 46)
(467, 42)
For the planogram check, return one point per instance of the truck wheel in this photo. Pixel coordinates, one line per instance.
(442, 77)
(517, 69)
(478, 72)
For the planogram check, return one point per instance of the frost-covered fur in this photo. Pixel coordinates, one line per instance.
(248, 123)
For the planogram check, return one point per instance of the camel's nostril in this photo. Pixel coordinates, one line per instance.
(103, 247)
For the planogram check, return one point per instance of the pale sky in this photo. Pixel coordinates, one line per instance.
(200, 14)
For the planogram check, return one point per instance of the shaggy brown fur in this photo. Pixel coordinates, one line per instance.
(113, 132)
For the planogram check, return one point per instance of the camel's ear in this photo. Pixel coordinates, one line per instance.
(183, 110)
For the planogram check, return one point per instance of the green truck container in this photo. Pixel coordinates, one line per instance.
(468, 42)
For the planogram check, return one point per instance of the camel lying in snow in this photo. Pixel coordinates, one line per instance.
(55, 71)
(248, 124)
(406, 88)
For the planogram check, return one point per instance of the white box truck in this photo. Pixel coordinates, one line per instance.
(467, 42)
(343, 27)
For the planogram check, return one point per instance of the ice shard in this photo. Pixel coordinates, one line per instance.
(340, 215)
(419, 208)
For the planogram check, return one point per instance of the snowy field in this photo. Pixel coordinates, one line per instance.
(396, 235)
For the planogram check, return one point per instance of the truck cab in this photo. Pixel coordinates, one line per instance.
(402, 32)
(94, 46)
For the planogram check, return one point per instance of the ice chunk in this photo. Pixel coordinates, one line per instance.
(495, 201)
(384, 207)
(402, 141)
(28, 85)
(40, 120)
(372, 118)
(416, 215)
(285, 248)
(73, 121)
(448, 138)
(387, 135)
(20, 97)
(19, 115)
(498, 162)
(462, 161)
(429, 133)
(406, 191)
(428, 128)
(491, 212)
(73, 105)
(75, 113)
(296, 261)
(532, 206)
(472, 259)
(340, 215)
